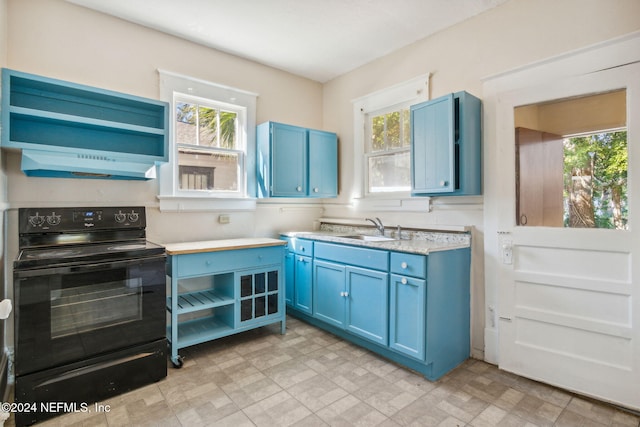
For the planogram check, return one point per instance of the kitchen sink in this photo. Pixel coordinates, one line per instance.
(368, 238)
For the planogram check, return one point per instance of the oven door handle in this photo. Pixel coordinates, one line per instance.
(96, 266)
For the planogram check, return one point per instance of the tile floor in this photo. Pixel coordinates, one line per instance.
(311, 378)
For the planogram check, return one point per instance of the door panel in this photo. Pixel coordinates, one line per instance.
(368, 304)
(289, 167)
(328, 297)
(567, 298)
(539, 182)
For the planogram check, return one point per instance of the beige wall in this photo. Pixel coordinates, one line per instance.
(58, 39)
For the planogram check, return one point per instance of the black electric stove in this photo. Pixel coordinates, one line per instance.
(90, 297)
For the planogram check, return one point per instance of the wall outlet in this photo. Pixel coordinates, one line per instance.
(224, 219)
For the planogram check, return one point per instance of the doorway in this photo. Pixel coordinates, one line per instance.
(562, 301)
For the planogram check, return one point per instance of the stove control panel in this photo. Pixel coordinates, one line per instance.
(37, 220)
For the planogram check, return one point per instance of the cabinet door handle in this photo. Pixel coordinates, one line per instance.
(298, 188)
(404, 265)
(315, 190)
(404, 281)
(443, 183)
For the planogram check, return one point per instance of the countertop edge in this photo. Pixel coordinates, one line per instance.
(184, 248)
(422, 247)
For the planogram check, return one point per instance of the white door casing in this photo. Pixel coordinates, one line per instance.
(563, 305)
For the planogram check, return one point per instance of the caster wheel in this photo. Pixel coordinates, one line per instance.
(178, 362)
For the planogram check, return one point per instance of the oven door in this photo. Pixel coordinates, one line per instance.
(67, 314)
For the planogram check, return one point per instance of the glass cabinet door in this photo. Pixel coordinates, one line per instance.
(259, 294)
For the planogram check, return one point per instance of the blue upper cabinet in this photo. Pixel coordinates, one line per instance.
(296, 162)
(323, 164)
(446, 149)
(67, 129)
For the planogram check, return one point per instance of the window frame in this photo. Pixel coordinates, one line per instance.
(407, 93)
(368, 153)
(240, 150)
(169, 194)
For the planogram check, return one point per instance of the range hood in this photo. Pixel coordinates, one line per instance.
(53, 164)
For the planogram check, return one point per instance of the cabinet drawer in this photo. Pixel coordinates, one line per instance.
(301, 246)
(198, 264)
(361, 257)
(409, 264)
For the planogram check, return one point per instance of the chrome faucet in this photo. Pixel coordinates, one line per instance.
(378, 223)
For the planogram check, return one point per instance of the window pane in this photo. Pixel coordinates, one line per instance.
(389, 131)
(228, 125)
(571, 162)
(186, 118)
(390, 172)
(595, 168)
(207, 127)
(208, 170)
(377, 133)
(393, 129)
(406, 127)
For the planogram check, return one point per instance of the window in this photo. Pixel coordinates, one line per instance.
(211, 164)
(210, 154)
(382, 138)
(387, 151)
(571, 162)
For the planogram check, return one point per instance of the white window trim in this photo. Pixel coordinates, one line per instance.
(171, 199)
(411, 92)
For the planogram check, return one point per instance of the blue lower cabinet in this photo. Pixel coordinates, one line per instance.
(303, 296)
(219, 293)
(329, 302)
(289, 277)
(298, 278)
(367, 296)
(407, 318)
(410, 308)
(352, 298)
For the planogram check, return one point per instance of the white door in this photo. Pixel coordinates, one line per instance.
(563, 304)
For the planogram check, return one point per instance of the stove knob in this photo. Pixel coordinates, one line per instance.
(120, 217)
(133, 216)
(36, 220)
(54, 219)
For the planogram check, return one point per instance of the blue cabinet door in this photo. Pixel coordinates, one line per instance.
(289, 161)
(432, 146)
(303, 297)
(329, 292)
(368, 304)
(446, 146)
(289, 276)
(323, 164)
(407, 326)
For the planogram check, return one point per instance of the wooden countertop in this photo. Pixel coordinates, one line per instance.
(221, 245)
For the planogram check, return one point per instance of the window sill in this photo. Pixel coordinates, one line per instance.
(205, 203)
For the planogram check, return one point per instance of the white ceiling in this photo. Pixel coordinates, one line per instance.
(317, 39)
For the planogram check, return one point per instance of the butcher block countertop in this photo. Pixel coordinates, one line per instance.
(221, 245)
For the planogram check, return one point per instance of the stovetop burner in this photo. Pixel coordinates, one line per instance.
(55, 256)
(51, 237)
